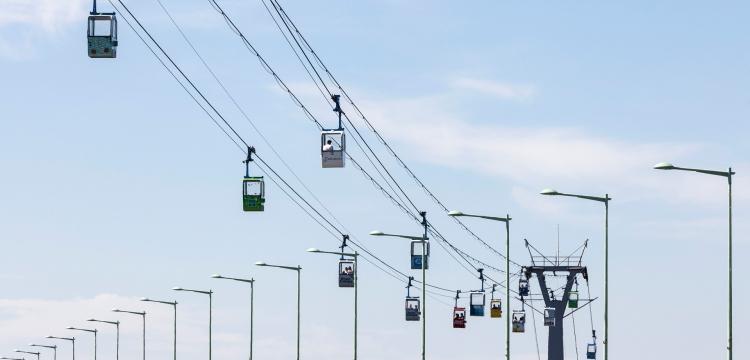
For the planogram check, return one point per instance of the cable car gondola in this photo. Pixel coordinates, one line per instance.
(496, 308)
(519, 321)
(549, 316)
(413, 312)
(412, 307)
(573, 300)
(523, 287)
(253, 187)
(459, 318)
(333, 141)
(496, 305)
(346, 273)
(416, 254)
(102, 34)
(476, 304)
(591, 350)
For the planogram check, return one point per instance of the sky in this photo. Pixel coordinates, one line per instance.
(116, 186)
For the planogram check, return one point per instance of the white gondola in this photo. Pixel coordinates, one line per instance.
(549, 316)
(332, 148)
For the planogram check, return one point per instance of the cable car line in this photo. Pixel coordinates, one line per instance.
(253, 125)
(269, 69)
(171, 72)
(286, 18)
(266, 66)
(181, 72)
(223, 119)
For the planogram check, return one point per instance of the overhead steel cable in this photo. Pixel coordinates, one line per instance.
(270, 69)
(182, 73)
(460, 253)
(290, 23)
(278, 79)
(184, 87)
(192, 84)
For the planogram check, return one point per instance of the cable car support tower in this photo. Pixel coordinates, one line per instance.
(569, 267)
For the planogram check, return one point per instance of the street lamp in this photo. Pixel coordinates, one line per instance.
(424, 241)
(354, 255)
(506, 220)
(71, 339)
(94, 331)
(727, 174)
(252, 301)
(53, 347)
(143, 314)
(605, 200)
(28, 352)
(174, 304)
(298, 269)
(210, 312)
(117, 343)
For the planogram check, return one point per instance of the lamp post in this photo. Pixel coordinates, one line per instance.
(174, 305)
(210, 312)
(727, 174)
(354, 255)
(71, 339)
(424, 241)
(143, 314)
(28, 352)
(53, 347)
(298, 269)
(93, 331)
(506, 220)
(117, 343)
(605, 200)
(252, 303)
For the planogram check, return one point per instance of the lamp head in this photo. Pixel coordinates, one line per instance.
(145, 299)
(550, 192)
(664, 166)
(260, 263)
(313, 250)
(216, 276)
(377, 233)
(70, 328)
(455, 213)
(177, 288)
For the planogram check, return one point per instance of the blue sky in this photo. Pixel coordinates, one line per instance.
(117, 186)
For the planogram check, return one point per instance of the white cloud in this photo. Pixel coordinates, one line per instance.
(499, 90)
(429, 128)
(46, 15)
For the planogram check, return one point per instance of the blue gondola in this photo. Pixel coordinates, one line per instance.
(591, 350)
(523, 287)
(476, 304)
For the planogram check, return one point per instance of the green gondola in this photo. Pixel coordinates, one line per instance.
(102, 34)
(573, 300)
(253, 187)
